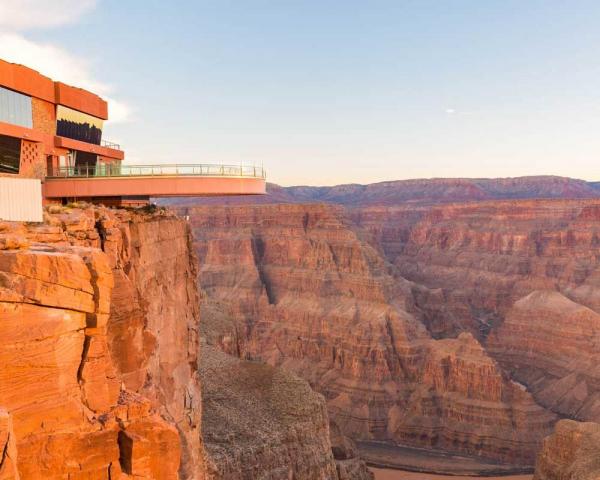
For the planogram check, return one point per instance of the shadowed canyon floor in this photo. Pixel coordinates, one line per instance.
(384, 474)
(424, 460)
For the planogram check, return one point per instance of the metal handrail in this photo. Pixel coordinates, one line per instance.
(112, 145)
(120, 170)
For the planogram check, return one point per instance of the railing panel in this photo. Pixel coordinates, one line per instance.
(120, 170)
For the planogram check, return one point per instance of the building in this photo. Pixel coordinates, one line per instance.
(51, 133)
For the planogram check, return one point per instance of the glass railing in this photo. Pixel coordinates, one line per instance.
(113, 145)
(119, 170)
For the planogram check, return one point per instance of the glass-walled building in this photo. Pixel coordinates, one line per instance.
(52, 133)
(47, 127)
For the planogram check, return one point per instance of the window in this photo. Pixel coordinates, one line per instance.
(10, 154)
(15, 108)
(78, 126)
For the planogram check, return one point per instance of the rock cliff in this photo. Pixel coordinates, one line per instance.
(264, 423)
(572, 452)
(98, 349)
(551, 344)
(300, 287)
(521, 276)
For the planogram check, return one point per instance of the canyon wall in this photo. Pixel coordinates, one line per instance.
(515, 279)
(99, 316)
(520, 276)
(100, 351)
(572, 452)
(304, 288)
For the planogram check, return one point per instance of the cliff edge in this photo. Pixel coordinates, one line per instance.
(99, 316)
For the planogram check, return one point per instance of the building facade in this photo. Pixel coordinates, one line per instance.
(53, 132)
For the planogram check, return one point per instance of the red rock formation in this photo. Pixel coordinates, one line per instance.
(551, 344)
(347, 457)
(572, 452)
(477, 259)
(295, 286)
(526, 271)
(68, 407)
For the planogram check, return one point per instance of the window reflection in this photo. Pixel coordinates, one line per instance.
(10, 154)
(15, 108)
(78, 125)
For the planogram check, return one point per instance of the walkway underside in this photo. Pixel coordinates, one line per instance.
(152, 186)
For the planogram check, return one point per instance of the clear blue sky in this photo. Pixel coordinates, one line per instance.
(327, 92)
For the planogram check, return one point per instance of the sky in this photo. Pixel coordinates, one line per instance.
(325, 92)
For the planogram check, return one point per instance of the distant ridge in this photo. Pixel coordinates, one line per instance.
(419, 191)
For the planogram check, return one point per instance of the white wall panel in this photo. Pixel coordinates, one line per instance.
(21, 199)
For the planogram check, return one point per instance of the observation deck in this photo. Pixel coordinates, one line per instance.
(169, 180)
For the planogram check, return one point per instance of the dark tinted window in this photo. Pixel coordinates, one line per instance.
(10, 154)
(78, 125)
(15, 108)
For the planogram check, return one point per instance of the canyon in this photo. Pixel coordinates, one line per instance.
(464, 325)
(286, 339)
(100, 374)
(300, 290)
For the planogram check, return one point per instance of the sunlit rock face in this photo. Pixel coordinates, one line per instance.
(308, 288)
(98, 349)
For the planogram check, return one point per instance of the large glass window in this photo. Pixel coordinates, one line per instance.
(78, 126)
(15, 108)
(10, 154)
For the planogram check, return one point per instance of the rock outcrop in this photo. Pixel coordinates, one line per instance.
(263, 423)
(572, 452)
(521, 276)
(552, 344)
(347, 458)
(299, 287)
(89, 388)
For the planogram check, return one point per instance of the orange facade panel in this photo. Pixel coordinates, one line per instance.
(165, 186)
(69, 143)
(17, 131)
(27, 81)
(81, 100)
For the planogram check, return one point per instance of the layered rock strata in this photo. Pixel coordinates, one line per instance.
(477, 259)
(572, 452)
(552, 344)
(299, 287)
(521, 276)
(89, 388)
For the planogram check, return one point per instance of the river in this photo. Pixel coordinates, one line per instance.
(385, 474)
